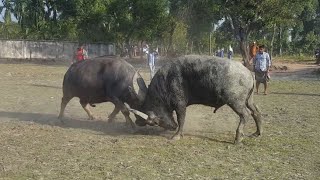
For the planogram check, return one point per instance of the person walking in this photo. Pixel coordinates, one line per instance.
(262, 64)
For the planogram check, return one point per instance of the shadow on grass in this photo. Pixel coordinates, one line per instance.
(295, 94)
(45, 86)
(45, 62)
(112, 129)
(208, 138)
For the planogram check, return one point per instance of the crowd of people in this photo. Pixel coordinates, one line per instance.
(220, 52)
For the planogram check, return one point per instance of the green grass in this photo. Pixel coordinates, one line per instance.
(35, 145)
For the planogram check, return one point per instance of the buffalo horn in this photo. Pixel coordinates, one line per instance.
(139, 86)
(139, 113)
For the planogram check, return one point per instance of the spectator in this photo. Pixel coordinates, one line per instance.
(230, 52)
(152, 56)
(145, 49)
(222, 53)
(262, 64)
(317, 56)
(81, 54)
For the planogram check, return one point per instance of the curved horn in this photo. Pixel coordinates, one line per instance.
(139, 86)
(139, 113)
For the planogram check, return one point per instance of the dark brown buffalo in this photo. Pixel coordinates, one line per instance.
(103, 80)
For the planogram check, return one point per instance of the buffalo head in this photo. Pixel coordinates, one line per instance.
(163, 118)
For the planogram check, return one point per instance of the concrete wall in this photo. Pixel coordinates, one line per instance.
(20, 49)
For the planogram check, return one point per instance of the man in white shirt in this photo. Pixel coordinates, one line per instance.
(152, 57)
(262, 64)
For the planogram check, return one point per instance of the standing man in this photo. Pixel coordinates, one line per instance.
(222, 53)
(230, 52)
(262, 64)
(317, 56)
(81, 54)
(151, 62)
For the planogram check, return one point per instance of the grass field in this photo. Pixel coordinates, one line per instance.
(35, 145)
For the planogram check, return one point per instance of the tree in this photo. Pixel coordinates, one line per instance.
(306, 37)
(246, 16)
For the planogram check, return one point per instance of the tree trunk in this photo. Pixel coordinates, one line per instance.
(171, 32)
(191, 48)
(280, 41)
(199, 47)
(244, 50)
(241, 34)
(272, 39)
(187, 48)
(210, 47)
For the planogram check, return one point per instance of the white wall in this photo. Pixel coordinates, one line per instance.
(20, 49)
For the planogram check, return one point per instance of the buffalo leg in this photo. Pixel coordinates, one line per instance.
(244, 115)
(85, 106)
(181, 114)
(64, 102)
(113, 114)
(119, 105)
(256, 116)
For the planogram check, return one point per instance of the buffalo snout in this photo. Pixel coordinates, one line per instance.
(171, 126)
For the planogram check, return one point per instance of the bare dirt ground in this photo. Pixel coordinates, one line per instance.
(295, 71)
(35, 145)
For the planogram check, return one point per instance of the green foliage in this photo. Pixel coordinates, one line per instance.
(177, 26)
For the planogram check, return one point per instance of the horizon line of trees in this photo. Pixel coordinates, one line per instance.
(290, 27)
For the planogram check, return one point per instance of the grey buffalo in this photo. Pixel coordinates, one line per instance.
(202, 80)
(104, 80)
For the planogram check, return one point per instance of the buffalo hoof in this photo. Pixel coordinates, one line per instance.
(256, 134)
(60, 118)
(110, 120)
(238, 140)
(61, 121)
(92, 118)
(238, 143)
(176, 137)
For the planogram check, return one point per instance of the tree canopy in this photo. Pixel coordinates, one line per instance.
(175, 26)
